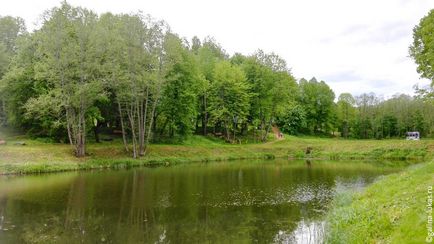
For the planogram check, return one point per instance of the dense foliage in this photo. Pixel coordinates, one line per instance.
(128, 74)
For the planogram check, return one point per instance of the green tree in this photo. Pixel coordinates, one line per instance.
(67, 64)
(179, 102)
(390, 126)
(419, 123)
(272, 86)
(293, 120)
(20, 84)
(11, 29)
(229, 98)
(346, 113)
(318, 101)
(366, 104)
(422, 49)
(136, 68)
(207, 55)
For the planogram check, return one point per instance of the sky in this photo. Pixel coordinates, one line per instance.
(355, 46)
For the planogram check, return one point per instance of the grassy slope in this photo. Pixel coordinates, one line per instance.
(392, 210)
(46, 157)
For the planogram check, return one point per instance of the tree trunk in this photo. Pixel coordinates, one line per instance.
(163, 127)
(124, 136)
(345, 130)
(154, 125)
(196, 126)
(148, 135)
(3, 115)
(235, 130)
(143, 124)
(227, 131)
(68, 127)
(140, 124)
(205, 116)
(96, 133)
(131, 118)
(244, 127)
(267, 130)
(81, 133)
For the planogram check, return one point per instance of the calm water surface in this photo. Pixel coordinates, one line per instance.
(274, 201)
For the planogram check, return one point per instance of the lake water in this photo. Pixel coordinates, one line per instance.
(276, 201)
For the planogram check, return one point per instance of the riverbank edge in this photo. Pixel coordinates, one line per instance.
(226, 153)
(391, 210)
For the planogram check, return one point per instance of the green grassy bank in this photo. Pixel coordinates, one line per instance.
(37, 156)
(392, 210)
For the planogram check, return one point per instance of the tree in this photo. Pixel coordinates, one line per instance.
(131, 80)
(136, 70)
(422, 49)
(318, 101)
(345, 113)
(208, 54)
(68, 66)
(19, 84)
(229, 98)
(179, 102)
(11, 29)
(293, 120)
(390, 126)
(272, 87)
(195, 45)
(4, 59)
(366, 104)
(418, 122)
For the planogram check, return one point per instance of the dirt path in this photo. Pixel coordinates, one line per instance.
(277, 133)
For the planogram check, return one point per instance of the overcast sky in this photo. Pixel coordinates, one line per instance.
(355, 46)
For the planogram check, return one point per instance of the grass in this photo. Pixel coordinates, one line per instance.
(39, 156)
(392, 210)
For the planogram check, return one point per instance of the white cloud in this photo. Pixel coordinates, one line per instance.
(355, 46)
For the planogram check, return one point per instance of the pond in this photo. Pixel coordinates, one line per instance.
(270, 201)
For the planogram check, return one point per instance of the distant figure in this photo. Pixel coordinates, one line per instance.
(2, 142)
(280, 135)
(413, 135)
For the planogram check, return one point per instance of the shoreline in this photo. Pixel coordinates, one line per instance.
(37, 157)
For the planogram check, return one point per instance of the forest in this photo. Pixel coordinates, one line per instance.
(81, 75)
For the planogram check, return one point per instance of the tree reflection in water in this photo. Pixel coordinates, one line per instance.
(273, 201)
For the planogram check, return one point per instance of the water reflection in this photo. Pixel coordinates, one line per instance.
(273, 201)
(305, 233)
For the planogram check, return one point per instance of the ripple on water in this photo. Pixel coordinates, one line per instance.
(300, 194)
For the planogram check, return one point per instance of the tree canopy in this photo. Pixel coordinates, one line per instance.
(82, 73)
(422, 48)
